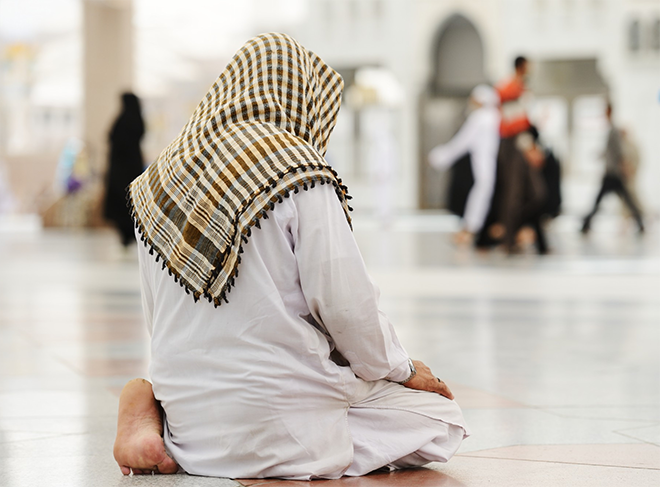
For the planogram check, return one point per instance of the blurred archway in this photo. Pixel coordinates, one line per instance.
(457, 58)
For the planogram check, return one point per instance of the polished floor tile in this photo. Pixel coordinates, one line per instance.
(524, 473)
(555, 360)
(649, 434)
(56, 403)
(627, 455)
(471, 398)
(91, 471)
(494, 428)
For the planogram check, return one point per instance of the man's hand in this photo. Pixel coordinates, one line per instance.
(426, 381)
(535, 157)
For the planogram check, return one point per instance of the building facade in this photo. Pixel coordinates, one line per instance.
(584, 52)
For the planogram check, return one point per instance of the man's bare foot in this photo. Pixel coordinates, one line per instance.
(497, 231)
(139, 444)
(463, 238)
(525, 237)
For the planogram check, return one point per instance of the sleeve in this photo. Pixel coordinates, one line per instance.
(443, 156)
(339, 291)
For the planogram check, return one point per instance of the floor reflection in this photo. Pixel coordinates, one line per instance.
(555, 360)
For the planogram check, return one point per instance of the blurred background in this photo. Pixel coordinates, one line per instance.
(558, 355)
(408, 66)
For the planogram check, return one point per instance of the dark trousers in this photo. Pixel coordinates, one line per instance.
(613, 182)
(522, 197)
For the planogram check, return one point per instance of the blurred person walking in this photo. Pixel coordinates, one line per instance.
(124, 166)
(616, 176)
(478, 137)
(521, 192)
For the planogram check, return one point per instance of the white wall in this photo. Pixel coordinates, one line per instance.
(635, 81)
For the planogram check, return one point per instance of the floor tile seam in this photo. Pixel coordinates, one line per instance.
(570, 416)
(43, 349)
(66, 385)
(41, 432)
(467, 455)
(489, 408)
(652, 423)
(44, 437)
(77, 417)
(107, 359)
(49, 437)
(70, 366)
(603, 418)
(28, 336)
(641, 440)
(600, 406)
(649, 422)
(518, 404)
(265, 482)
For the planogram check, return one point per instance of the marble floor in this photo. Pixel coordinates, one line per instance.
(555, 360)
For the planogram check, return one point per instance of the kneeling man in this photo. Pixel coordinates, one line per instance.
(287, 369)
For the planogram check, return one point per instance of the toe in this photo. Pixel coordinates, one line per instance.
(167, 466)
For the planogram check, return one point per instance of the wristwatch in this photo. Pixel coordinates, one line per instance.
(413, 372)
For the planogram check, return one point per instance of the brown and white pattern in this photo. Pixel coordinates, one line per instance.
(259, 133)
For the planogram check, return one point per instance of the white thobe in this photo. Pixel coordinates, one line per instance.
(249, 388)
(479, 136)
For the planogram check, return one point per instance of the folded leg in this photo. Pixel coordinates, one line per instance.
(400, 427)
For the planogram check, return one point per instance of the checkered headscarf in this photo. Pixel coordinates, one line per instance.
(259, 133)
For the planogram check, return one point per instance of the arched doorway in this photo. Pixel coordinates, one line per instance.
(457, 58)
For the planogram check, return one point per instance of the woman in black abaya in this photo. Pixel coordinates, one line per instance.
(125, 165)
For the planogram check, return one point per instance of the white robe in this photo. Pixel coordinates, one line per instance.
(480, 136)
(248, 388)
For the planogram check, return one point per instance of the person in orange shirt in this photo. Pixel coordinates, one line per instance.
(514, 114)
(517, 195)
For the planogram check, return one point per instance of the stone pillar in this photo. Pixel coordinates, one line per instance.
(108, 72)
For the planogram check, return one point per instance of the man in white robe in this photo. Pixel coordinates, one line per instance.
(299, 375)
(479, 136)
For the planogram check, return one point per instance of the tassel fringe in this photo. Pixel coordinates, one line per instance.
(246, 232)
